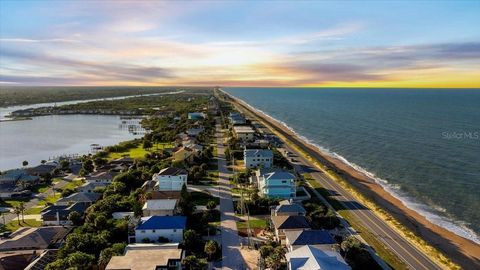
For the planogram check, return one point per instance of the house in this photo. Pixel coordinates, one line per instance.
(101, 177)
(162, 207)
(237, 119)
(91, 186)
(58, 214)
(165, 194)
(257, 157)
(275, 183)
(42, 169)
(183, 154)
(171, 178)
(288, 208)
(34, 238)
(148, 257)
(80, 197)
(317, 238)
(19, 177)
(282, 224)
(194, 132)
(312, 258)
(196, 116)
(197, 148)
(154, 227)
(244, 133)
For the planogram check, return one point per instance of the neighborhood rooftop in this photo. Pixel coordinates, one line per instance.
(162, 223)
(172, 171)
(309, 237)
(267, 153)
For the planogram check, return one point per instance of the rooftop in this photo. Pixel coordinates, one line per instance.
(290, 207)
(309, 237)
(81, 197)
(160, 204)
(312, 258)
(145, 257)
(258, 153)
(162, 223)
(273, 174)
(172, 171)
(243, 129)
(34, 238)
(290, 222)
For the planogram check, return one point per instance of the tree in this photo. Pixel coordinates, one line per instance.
(65, 164)
(193, 263)
(211, 205)
(147, 144)
(274, 260)
(191, 238)
(43, 161)
(22, 208)
(211, 248)
(25, 163)
(106, 254)
(75, 218)
(17, 212)
(80, 260)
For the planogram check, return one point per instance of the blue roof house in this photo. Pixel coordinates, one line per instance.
(154, 227)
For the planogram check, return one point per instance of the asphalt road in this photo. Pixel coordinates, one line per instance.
(231, 257)
(409, 254)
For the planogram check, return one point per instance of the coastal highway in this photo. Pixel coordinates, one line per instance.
(401, 247)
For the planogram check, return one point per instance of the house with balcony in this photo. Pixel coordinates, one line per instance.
(254, 158)
(275, 183)
(170, 179)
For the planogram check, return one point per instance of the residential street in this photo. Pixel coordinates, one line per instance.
(232, 258)
(34, 201)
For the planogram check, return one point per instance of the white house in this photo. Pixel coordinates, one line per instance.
(160, 207)
(257, 157)
(309, 257)
(154, 227)
(171, 178)
(244, 133)
(275, 183)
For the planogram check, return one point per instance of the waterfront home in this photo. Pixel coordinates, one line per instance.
(79, 197)
(148, 257)
(160, 207)
(317, 238)
(100, 177)
(91, 186)
(275, 183)
(254, 158)
(183, 154)
(244, 133)
(282, 224)
(171, 179)
(288, 208)
(58, 214)
(158, 227)
(39, 238)
(196, 116)
(18, 177)
(312, 258)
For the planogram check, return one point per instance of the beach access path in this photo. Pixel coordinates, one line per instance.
(231, 256)
(413, 257)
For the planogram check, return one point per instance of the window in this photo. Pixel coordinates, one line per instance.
(284, 181)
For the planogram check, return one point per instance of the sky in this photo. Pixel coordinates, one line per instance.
(241, 43)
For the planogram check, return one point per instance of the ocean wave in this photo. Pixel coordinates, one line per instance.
(428, 211)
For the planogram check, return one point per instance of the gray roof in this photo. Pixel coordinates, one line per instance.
(172, 171)
(81, 197)
(292, 207)
(34, 238)
(265, 153)
(309, 237)
(160, 204)
(272, 173)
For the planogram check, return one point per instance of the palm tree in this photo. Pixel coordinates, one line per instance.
(22, 209)
(25, 163)
(17, 211)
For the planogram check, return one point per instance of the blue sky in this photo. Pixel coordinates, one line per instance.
(284, 43)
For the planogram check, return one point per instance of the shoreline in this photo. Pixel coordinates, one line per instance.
(460, 250)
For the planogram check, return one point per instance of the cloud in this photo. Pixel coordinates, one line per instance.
(28, 40)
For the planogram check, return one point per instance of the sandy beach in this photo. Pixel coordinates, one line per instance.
(462, 251)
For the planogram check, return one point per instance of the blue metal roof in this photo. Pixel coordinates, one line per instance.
(162, 223)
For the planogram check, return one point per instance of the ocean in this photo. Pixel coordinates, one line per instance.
(422, 145)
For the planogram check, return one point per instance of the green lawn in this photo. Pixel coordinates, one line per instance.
(73, 184)
(254, 223)
(40, 188)
(201, 198)
(13, 225)
(13, 202)
(50, 199)
(138, 152)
